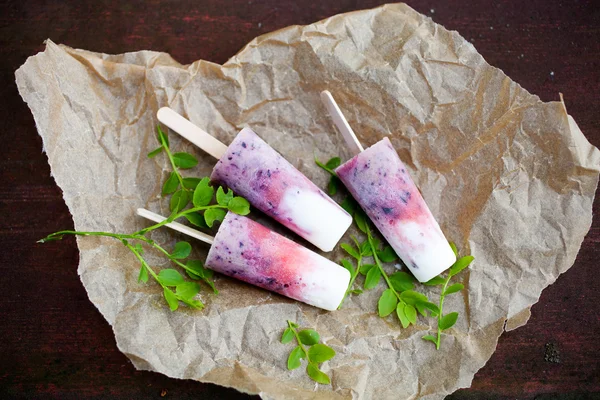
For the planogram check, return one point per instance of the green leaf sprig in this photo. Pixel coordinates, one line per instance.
(447, 321)
(308, 348)
(400, 296)
(334, 182)
(202, 213)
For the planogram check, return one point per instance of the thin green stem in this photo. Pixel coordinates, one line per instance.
(173, 259)
(353, 277)
(299, 341)
(143, 262)
(378, 263)
(172, 161)
(440, 315)
(120, 236)
(175, 216)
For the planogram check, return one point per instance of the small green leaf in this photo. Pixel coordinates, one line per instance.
(349, 205)
(365, 268)
(223, 198)
(50, 238)
(309, 337)
(317, 375)
(401, 315)
(376, 243)
(438, 280)
(293, 324)
(348, 265)
(184, 160)
(191, 183)
(348, 248)
(196, 219)
(182, 250)
(333, 163)
(171, 184)
(179, 200)
(402, 281)
(138, 247)
(372, 279)
(143, 276)
(294, 358)
(170, 277)
(197, 268)
(187, 290)
(457, 287)
(323, 166)
(287, 336)
(387, 303)
(194, 303)
(387, 254)
(333, 185)
(239, 205)
(356, 291)
(435, 311)
(448, 321)
(365, 249)
(421, 309)
(454, 249)
(214, 214)
(361, 220)
(411, 313)
(199, 272)
(411, 297)
(320, 353)
(203, 193)
(155, 152)
(171, 299)
(461, 264)
(430, 338)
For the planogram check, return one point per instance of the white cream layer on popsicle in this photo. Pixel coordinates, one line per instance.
(252, 169)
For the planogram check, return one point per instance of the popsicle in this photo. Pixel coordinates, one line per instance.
(381, 184)
(254, 170)
(246, 250)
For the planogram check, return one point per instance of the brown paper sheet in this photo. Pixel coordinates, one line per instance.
(510, 179)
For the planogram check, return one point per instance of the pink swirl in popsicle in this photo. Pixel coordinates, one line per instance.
(380, 183)
(254, 170)
(245, 250)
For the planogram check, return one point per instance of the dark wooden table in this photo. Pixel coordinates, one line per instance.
(55, 344)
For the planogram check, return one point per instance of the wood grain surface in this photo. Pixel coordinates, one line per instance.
(55, 344)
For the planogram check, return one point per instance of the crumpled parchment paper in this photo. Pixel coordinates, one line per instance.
(510, 179)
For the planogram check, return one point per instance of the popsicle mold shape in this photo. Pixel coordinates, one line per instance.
(381, 184)
(254, 170)
(246, 250)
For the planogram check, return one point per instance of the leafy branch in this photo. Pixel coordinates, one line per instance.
(400, 295)
(316, 354)
(447, 321)
(202, 213)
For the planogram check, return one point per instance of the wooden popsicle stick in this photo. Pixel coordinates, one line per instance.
(191, 132)
(186, 230)
(340, 121)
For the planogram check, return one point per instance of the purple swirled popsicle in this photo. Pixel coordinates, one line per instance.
(254, 170)
(246, 250)
(379, 181)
